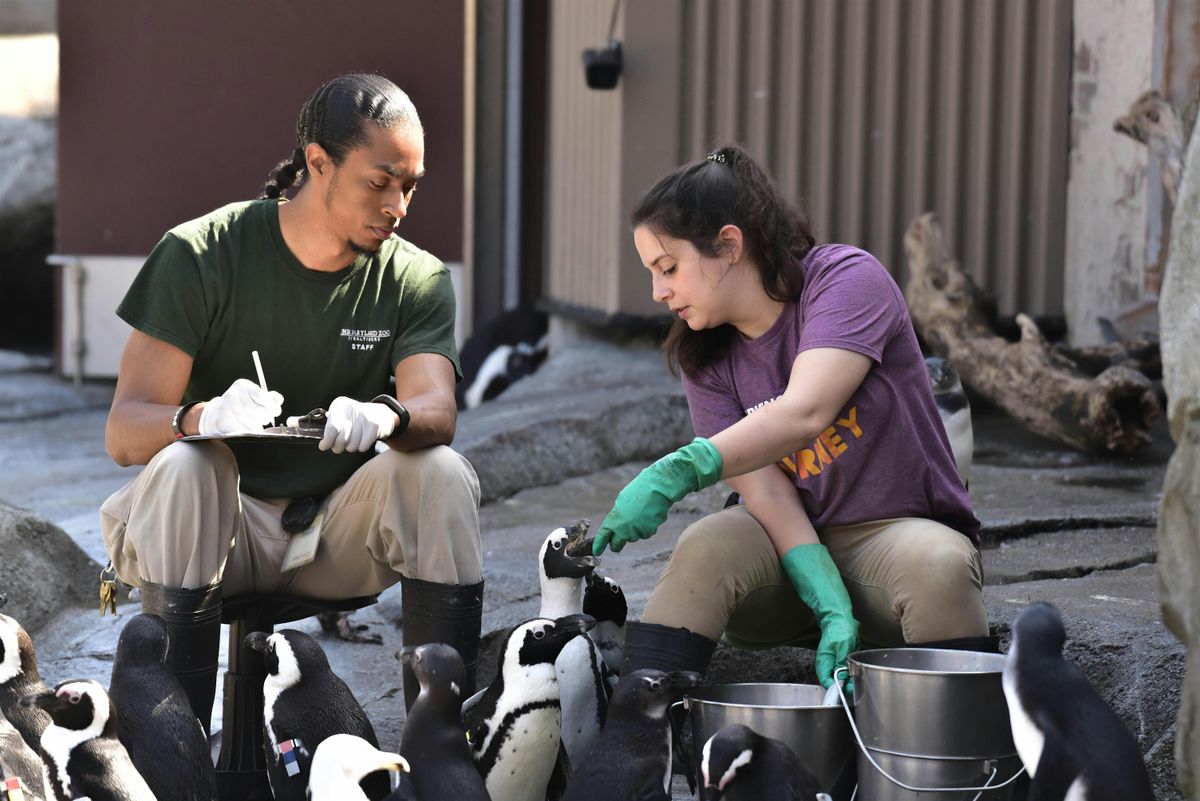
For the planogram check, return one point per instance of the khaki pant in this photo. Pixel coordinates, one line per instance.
(910, 581)
(183, 523)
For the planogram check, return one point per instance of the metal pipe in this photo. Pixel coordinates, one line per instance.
(79, 345)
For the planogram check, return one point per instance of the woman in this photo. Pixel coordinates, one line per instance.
(810, 397)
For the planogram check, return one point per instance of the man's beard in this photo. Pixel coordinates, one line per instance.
(363, 250)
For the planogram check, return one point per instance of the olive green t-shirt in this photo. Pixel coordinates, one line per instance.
(226, 284)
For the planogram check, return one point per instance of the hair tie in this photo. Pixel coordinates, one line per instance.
(717, 157)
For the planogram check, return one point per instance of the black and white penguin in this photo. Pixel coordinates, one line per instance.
(604, 600)
(154, 711)
(739, 764)
(19, 677)
(564, 560)
(515, 728)
(632, 756)
(304, 702)
(955, 411)
(433, 738)
(499, 353)
(341, 761)
(1072, 743)
(80, 749)
(18, 761)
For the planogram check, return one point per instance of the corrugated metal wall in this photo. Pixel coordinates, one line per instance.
(870, 111)
(582, 178)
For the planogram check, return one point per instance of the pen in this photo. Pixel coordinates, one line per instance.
(262, 380)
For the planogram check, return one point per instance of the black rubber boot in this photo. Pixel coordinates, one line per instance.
(193, 620)
(989, 644)
(649, 645)
(449, 613)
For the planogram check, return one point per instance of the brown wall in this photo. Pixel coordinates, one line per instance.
(168, 110)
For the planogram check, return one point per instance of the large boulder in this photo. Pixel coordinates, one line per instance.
(1179, 518)
(27, 166)
(561, 421)
(27, 186)
(44, 570)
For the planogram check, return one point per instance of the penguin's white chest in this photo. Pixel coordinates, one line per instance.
(1028, 737)
(962, 440)
(580, 681)
(527, 758)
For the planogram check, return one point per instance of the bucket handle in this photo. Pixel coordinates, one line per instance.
(987, 787)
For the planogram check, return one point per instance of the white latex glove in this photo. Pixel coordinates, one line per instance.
(244, 408)
(355, 426)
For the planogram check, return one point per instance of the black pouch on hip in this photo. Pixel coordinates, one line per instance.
(301, 512)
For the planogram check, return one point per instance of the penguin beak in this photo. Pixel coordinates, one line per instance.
(258, 641)
(3, 599)
(45, 700)
(579, 545)
(408, 655)
(581, 551)
(392, 762)
(685, 679)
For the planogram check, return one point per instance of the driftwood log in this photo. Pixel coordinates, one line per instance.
(1044, 389)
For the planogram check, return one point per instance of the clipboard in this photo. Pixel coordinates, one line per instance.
(306, 430)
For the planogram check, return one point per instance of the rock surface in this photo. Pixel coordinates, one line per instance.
(1179, 520)
(45, 572)
(27, 167)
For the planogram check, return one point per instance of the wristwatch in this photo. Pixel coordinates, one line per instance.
(397, 407)
(177, 419)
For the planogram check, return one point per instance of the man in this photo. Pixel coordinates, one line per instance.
(334, 302)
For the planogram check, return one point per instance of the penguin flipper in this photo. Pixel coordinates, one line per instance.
(471, 702)
(1057, 770)
(561, 775)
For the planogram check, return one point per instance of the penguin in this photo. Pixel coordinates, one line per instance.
(17, 760)
(739, 764)
(632, 756)
(156, 724)
(19, 677)
(955, 412)
(564, 560)
(433, 732)
(1072, 743)
(515, 728)
(341, 761)
(500, 352)
(604, 600)
(303, 703)
(80, 749)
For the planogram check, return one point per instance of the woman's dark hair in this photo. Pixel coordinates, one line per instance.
(334, 118)
(726, 187)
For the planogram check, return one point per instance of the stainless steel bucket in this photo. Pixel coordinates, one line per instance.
(792, 713)
(934, 720)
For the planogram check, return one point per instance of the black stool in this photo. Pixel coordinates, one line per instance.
(242, 765)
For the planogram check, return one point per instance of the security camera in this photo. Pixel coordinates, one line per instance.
(602, 66)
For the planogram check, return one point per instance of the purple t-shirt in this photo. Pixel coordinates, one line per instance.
(886, 454)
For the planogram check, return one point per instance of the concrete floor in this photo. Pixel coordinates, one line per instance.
(1059, 525)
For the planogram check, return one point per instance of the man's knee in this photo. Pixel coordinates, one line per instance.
(186, 461)
(438, 466)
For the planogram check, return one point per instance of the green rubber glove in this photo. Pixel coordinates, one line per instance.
(642, 506)
(819, 585)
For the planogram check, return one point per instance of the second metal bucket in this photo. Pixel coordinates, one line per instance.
(934, 720)
(791, 713)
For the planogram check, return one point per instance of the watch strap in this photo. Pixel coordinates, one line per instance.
(177, 419)
(397, 407)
